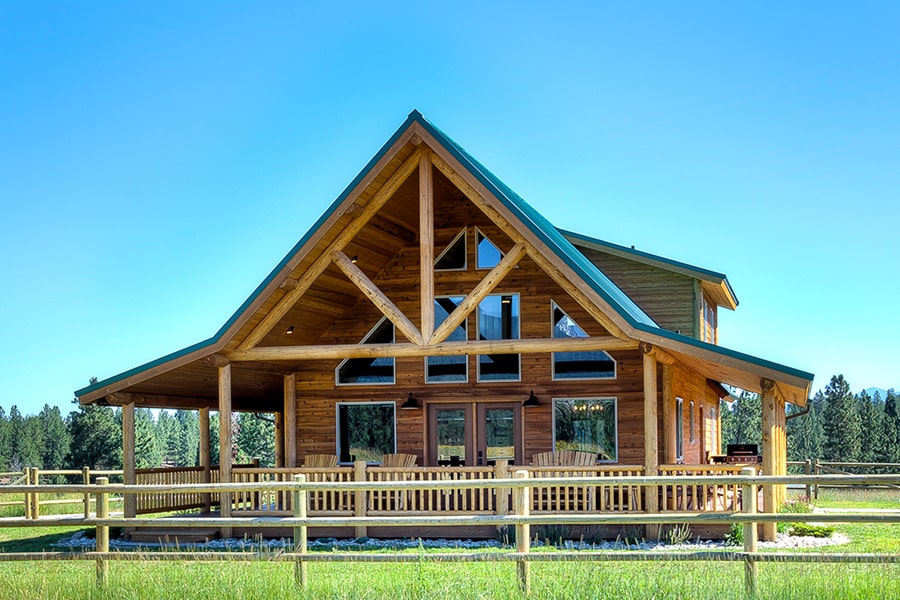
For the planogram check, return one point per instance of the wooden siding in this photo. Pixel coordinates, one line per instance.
(692, 387)
(666, 296)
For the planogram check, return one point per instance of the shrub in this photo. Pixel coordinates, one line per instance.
(735, 535)
(809, 530)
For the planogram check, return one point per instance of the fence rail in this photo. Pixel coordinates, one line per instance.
(522, 489)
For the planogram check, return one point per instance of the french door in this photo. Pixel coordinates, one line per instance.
(474, 434)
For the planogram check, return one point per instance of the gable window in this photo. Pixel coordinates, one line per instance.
(498, 319)
(578, 365)
(709, 328)
(453, 258)
(365, 431)
(586, 425)
(369, 371)
(448, 369)
(487, 255)
(679, 429)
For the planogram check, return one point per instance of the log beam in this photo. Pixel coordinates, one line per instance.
(426, 246)
(377, 297)
(290, 420)
(342, 351)
(362, 217)
(479, 293)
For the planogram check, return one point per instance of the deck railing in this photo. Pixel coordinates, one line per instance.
(713, 497)
(521, 518)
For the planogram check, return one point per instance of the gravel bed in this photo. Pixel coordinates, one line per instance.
(82, 541)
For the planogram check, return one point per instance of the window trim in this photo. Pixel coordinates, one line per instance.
(337, 425)
(679, 428)
(465, 325)
(464, 234)
(692, 438)
(554, 305)
(393, 381)
(518, 336)
(615, 401)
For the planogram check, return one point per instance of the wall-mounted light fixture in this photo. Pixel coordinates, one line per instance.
(354, 259)
(410, 403)
(531, 400)
(289, 330)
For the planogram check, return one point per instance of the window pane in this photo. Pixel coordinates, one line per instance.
(578, 365)
(365, 431)
(453, 258)
(357, 371)
(499, 432)
(679, 428)
(444, 369)
(586, 425)
(498, 319)
(451, 435)
(488, 255)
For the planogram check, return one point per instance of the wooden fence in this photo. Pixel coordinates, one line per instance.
(522, 488)
(814, 466)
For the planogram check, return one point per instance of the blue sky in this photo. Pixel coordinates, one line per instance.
(158, 159)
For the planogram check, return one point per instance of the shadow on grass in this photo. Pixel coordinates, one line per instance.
(39, 543)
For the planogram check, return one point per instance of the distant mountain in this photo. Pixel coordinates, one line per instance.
(872, 390)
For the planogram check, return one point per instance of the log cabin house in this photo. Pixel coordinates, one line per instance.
(430, 311)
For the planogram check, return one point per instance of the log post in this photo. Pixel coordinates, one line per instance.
(102, 536)
(129, 474)
(290, 420)
(35, 497)
(770, 450)
(300, 532)
(521, 506)
(29, 505)
(748, 506)
(86, 480)
(426, 246)
(225, 442)
(360, 508)
(668, 416)
(205, 462)
(279, 439)
(651, 435)
(501, 471)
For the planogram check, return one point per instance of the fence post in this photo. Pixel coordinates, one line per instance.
(522, 506)
(807, 469)
(501, 471)
(35, 497)
(815, 472)
(86, 479)
(749, 497)
(26, 474)
(300, 533)
(360, 510)
(102, 536)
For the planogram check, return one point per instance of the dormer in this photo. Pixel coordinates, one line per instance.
(679, 297)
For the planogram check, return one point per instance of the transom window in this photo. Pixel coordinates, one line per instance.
(366, 431)
(586, 425)
(448, 369)
(369, 371)
(578, 365)
(498, 319)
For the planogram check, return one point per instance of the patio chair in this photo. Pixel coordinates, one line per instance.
(398, 460)
(320, 460)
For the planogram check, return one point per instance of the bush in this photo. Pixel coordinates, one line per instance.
(735, 535)
(809, 530)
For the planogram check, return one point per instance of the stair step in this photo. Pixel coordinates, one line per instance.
(159, 535)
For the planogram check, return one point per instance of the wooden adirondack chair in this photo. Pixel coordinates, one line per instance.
(320, 460)
(398, 460)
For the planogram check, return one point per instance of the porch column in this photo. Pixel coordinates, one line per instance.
(651, 435)
(668, 416)
(290, 420)
(224, 369)
(128, 465)
(773, 452)
(279, 439)
(205, 461)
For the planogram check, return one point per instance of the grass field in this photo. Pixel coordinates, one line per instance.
(152, 580)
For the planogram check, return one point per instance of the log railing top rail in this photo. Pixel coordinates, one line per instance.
(516, 483)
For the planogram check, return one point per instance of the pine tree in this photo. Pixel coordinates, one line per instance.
(168, 436)
(805, 436)
(147, 452)
(5, 441)
(96, 438)
(188, 446)
(56, 438)
(843, 434)
(256, 439)
(871, 429)
(744, 424)
(891, 424)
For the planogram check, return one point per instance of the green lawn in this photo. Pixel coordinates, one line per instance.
(152, 580)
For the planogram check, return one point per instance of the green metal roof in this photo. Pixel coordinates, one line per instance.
(538, 225)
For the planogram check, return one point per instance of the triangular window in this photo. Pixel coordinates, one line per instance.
(578, 365)
(486, 253)
(453, 258)
(369, 371)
